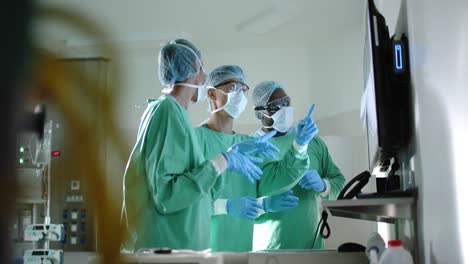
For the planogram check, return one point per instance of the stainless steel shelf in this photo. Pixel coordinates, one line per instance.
(380, 210)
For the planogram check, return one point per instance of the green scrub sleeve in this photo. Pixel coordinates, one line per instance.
(281, 176)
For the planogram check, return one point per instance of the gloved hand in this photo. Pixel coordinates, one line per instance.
(239, 159)
(280, 202)
(243, 164)
(306, 129)
(312, 181)
(246, 207)
(259, 146)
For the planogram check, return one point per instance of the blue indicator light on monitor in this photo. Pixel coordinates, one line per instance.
(398, 57)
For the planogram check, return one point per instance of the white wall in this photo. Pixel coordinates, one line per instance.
(439, 46)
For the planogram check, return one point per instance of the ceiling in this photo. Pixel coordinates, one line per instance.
(211, 23)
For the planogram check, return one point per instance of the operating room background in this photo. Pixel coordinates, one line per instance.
(314, 48)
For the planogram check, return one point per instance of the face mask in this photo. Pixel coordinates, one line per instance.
(283, 119)
(235, 105)
(201, 90)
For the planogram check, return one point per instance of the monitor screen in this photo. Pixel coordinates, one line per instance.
(386, 106)
(368, 104)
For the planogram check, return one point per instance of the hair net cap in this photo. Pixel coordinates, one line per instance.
(178, 60)
(225, 72)
(263, 91)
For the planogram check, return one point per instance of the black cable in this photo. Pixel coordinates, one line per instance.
(316, 232)
(360, 180)
(392, 178)
(323, 226)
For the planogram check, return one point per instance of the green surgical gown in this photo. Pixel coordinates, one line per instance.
(295, 228)
(230, 233)
(167, 182)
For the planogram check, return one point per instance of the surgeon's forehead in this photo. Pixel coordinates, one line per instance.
(277, 94)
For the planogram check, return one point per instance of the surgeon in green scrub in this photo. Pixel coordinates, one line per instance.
(295, 228)
(168, 182)
(235, 203)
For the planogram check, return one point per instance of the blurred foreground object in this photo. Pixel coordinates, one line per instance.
(58, 83)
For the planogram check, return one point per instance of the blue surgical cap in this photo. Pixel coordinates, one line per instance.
(263, 91)
(225, 72)
(178, 60)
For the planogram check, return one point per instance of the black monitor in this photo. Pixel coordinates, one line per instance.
(387, 83)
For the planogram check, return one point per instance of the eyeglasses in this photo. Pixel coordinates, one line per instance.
(275, 105)
(235, 87)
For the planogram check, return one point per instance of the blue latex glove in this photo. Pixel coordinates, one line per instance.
(239, 157)
(245, 207)
(259, 146)
(312, 181)
(280, 202)
(306, 129)
(243, 164)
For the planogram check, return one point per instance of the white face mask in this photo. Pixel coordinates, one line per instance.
(201, 90)
(235, 105)
(282, 120)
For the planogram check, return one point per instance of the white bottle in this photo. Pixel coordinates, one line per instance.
(395, 253)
